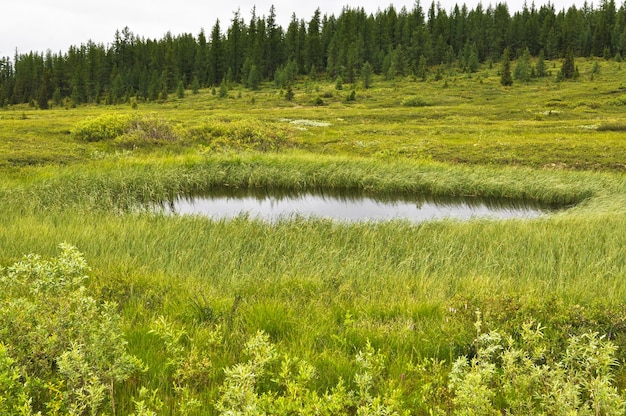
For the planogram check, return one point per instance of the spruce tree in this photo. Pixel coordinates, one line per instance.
(506, 79)
(57, 97)
(422, 68)
(224, 89)
(568, 69)
(338, 83)
(523, 68)
(540, 66)
(163, 95)
(43, 94)
(391, 72)
(195, 85)
(254, 78)
(180, 89)
(42, 99)
(117, 90)
(366, 75)
(289, 94)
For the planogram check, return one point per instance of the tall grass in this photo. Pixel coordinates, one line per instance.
(322, 289)
(125, 182)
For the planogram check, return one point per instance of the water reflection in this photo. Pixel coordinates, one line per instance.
(228, 204)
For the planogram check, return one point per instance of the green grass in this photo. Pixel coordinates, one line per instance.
(322, 290)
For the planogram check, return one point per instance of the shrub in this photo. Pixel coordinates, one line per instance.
(317, 101)
(527, 376)
(67, 348)
(241, 134)
(149, 130)
(612, 127)
(415, 102)
(106, 127)
(240, 392)
(128, 130)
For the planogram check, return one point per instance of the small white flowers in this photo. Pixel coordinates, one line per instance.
(307, 123)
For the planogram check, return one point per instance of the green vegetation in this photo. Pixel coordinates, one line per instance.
(186, 315)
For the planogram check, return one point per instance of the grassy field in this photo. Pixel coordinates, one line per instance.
(326, 292)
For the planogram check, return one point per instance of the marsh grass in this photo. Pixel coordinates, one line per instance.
(133, 182)
(324, 291)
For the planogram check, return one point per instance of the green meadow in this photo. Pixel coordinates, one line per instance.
(311, 316)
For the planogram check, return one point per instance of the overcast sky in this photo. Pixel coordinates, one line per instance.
(39, 25)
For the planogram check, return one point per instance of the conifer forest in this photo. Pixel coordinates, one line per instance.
(250, 50)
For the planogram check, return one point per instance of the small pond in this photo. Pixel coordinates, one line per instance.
(274, 206)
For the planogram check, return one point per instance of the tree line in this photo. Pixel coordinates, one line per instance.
(391, 42)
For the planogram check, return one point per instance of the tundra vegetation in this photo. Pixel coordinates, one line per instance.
(123, 310)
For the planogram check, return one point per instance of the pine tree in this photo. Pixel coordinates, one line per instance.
(117, 90)
(155, 86)
(391, 72)
(289, 94)
(180, 89)
(338, 83)
(43, 94)
(195, 85)
(254, 78)
(366, 75)
(57, 97)
(216, 55)
(568, 69)
(280, 78)
(540, 66)
(163, 95)
(506, 79)
(470, 58)
(313, 42)
(422, 68)
(523, 68)
(224, 89)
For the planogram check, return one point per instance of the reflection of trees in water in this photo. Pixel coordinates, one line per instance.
(347, 205)
(352, 195)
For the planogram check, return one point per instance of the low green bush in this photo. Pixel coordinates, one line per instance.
(62, 350)
(105, 127)
(241, 135)
(128, 130)
(273, 383)
(521, 373)
(612, 127)
(150, 129)
(525, 375)
(415, 102)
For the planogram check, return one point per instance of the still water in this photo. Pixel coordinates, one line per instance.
(347, 208)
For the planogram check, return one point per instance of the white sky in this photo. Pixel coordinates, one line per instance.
(39, 25)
